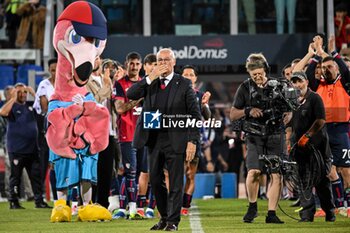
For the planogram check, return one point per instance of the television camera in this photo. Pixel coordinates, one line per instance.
(277, 98)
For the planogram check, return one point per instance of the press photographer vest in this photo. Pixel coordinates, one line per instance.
(336, 101)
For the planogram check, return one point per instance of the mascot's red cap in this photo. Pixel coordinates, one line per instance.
(87, 19)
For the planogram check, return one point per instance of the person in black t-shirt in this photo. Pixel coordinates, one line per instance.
(247, 103)
(308, 124)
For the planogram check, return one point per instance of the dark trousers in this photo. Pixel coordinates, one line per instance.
(44, 158)
(307, 200)
(323, 187)
(168, 204)
(44, 162)
(13, 22)
(32, 164)
(104, 172)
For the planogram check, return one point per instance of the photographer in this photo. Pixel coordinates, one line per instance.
(312, 153)
(249, 103)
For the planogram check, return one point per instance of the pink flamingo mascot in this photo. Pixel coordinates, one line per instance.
(78, 127)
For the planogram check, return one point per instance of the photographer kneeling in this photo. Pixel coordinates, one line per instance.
(263, 133)
(312, 152)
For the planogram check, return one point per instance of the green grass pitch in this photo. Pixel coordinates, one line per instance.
(216, 215)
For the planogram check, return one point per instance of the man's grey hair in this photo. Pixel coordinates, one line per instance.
(171, 52)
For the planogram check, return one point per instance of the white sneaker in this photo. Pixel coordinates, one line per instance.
(113, 203)
(119, 214)
(74, 208)
(132, 208)
(149, 213)
(343, 211)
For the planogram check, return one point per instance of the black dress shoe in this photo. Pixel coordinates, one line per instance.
(171, 227)
(159, 226)
(15, 205)
(42, 205)
(330, 217)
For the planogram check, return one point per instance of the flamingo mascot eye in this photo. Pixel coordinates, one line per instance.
(97, 43)
(74, 37)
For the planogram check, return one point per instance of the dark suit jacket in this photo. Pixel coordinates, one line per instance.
(182, 100)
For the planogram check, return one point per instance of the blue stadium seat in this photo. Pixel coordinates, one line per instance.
(22, 73)
(6, 76)
(205, 185)
(228, 185)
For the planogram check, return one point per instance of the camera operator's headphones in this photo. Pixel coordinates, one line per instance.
(257, 60)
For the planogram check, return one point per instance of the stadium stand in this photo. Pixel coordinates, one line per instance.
(6, 76)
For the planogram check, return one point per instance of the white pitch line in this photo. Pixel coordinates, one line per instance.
(195, 220)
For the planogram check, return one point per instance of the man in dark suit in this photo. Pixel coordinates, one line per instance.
(169, 96)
